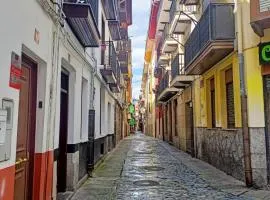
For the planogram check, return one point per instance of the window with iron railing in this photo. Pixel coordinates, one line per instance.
(178, 65)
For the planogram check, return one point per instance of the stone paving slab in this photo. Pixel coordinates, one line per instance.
(144, 168)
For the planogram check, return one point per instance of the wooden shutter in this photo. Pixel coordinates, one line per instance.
(213, 102)
(230, 99)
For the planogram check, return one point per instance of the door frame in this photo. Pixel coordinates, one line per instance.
(67, 92)
(28, 62)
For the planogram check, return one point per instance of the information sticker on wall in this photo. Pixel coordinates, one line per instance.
(15, 71)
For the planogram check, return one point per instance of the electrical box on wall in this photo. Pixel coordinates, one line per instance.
(3, 126)
(6, 121)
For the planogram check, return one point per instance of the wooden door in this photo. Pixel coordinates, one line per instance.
(189, 128)
(62, 160)
(26, 131)
(171, 122)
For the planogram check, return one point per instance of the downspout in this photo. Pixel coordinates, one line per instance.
(243, 95)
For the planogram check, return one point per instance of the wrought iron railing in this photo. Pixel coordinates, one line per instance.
(113, 59)
(111, 9)
(164, 82)
(177, 66)
(216, 24)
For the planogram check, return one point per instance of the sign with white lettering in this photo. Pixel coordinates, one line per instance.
(15, 71)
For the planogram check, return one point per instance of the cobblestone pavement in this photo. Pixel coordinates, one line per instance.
(143, 168)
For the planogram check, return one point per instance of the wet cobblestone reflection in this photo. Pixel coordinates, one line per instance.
(144, 168)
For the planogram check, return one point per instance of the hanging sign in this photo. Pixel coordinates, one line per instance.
(15, 71)
(264, 53)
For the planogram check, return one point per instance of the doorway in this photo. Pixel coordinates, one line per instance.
(62, 159)
(266, 83)
(189, 128)
(26, 131)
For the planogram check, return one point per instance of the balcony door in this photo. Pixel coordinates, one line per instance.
(26, 131)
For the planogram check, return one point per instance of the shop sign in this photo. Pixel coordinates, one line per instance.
(264, 53)
(15, 71)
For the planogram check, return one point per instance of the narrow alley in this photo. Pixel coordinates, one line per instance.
(142, 167)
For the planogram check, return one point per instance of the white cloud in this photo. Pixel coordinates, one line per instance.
(136, 78)
(141, 5)
(138, 41)
(138, 58)
(136, 92)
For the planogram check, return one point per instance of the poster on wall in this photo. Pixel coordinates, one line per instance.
(15, 71)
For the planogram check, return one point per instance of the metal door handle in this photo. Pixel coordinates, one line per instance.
(20, 161)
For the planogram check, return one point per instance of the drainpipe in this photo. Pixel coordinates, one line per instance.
(243, 95)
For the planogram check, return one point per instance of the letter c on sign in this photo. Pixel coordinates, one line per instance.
(266, 53)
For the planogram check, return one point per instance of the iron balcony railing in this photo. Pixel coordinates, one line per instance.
(216, 24)
(111, 9)
(113, 59)
(164, 82)
(177, 66)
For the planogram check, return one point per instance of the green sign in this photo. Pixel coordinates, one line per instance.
(264, 53)
(131, 109)
(132, 122)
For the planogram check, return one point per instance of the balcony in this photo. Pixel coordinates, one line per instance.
(123, 57)
(163, 14)
(169, 41)
(163, 59)
(190, 2)
(114, 29)
(123, 60)
(82, 20)
(165, 91)
(115, 87)
(211, 40)
(110, 9)
(123, 33)
(260, 16)
(181, 17)
(110, 70)
(124, 68)
(179, 78)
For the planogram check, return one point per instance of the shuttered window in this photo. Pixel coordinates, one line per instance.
(230, 99)
(213, 102)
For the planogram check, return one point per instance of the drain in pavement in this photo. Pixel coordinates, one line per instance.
(146, 183)
(153, 168)
(144, 152)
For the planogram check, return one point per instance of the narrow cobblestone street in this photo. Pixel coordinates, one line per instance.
(146, 168)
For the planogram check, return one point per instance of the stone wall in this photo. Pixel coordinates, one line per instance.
(258, 156)
(221, 148)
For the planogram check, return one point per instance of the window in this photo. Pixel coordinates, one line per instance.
(103, 41)
(230, 98)
(213, 102)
